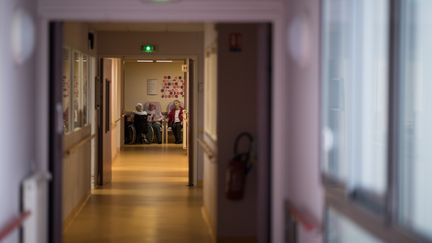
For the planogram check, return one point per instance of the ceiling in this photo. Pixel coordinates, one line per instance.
(148, 27)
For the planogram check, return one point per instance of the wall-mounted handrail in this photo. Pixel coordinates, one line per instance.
(114, 124)
(207, 149)
(79, 144)
(13, 225)
(303, 218)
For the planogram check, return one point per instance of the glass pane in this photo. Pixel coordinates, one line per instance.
(341, 230)
(66, 89)
(416, 116)
(85, 89)
(354, 92)
(77, 91)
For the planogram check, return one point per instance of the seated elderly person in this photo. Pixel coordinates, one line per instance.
(140, 120)
(175, 120)
(155, 118)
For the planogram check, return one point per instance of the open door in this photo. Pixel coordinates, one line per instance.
(104, 122)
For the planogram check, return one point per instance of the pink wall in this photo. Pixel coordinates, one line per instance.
(302, 165)
(17, 134)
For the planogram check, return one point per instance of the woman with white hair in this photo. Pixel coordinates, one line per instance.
(140, 123)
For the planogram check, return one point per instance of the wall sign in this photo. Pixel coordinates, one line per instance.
(185, 68)
(152, 87)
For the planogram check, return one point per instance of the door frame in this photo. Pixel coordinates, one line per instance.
(55, 130)
(255, 11)
(193, 130)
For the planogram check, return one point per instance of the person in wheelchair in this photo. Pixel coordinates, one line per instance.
(175, 121)
(140, 121)
(155, 119)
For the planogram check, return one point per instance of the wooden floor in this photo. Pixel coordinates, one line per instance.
(148, 201)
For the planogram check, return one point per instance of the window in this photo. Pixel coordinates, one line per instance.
(355, 97)
(66, 89)
(85, 89)
(415, 126)
(76, 87)
(342, 230)
(77, 91)
(376, 155)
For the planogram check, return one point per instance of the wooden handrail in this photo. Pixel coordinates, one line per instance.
(302, 217)
(13, 225)
(118, 120)
(207, 149)
(79, 144)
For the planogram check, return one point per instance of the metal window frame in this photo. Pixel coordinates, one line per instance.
(356, 207)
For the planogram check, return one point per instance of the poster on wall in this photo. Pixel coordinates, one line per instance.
(172, 87)
(152, 88)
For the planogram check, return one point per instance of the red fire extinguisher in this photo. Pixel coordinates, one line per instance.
(237, 169)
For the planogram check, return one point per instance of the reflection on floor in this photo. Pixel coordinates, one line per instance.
(148, 201)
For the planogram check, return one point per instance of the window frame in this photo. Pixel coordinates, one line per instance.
(84, 121)
(361, 206)
(69, 122)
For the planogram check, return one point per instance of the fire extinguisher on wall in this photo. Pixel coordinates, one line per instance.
(238, 168)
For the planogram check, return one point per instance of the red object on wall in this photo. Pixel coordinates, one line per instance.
(235, 42)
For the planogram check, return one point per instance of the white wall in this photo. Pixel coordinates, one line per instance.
(17, 99)
(136, 76)
(209, 135)
(116, 102)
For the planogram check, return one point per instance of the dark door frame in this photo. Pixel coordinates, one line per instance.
(191, 113)
(264, 135)
(100, 121)
(55, 128)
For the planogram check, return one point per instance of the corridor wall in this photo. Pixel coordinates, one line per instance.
(77, 164)
(209, 136)
(116, 104)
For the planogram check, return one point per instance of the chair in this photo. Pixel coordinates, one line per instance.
(158, 111)
(170, 106)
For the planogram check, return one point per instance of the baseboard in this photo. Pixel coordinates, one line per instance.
(74, 213)
(210, 226)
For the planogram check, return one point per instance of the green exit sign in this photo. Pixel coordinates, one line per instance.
(148, 48)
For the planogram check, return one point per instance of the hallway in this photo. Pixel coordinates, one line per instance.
(148, 201)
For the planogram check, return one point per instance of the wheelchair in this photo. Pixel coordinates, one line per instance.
(131, 135)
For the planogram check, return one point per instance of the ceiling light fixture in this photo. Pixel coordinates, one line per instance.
(146, 61)
(161, 61)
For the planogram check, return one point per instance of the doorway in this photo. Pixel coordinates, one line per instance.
(230, 93)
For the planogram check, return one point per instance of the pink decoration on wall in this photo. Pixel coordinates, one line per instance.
(172, 87)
